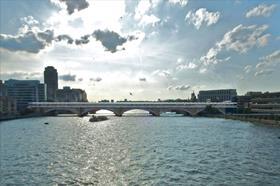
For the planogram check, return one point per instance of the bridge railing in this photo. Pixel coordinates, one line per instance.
(134, 104)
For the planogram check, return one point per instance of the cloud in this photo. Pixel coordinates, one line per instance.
(142, 8)
(98, 79)
(264, 72)
(21, 75)
(162, 73)
(142, 79)
(182, 3)
(261, 10)
(73, 5)
(267, 64)
(84, 40)
(143, 13)
(240, 39)
(247, 69)
(64, 37)
(149, 20)
(271, 59)
(186, 66)
(31, 41)
(67, 77)
(202, 16)
(80, 79)
(110, 39)
(29, 20)
(179, 87)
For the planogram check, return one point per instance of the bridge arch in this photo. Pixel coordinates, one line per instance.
(93, 110)
(154, 112)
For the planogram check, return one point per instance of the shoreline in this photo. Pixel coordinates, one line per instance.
(8, 118)
(254, 120)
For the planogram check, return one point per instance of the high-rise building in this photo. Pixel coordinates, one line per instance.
(25, 91)
(71, 95)
(51, 80)
(217, 95)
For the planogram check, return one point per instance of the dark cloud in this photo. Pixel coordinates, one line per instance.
(65, 37)
(109, 39)
(84, 40)
(132, 37)
(143, 79)
(33, 42)
(182, 87)
(80, 79)
(179, 87)
(30, 41)
(68, 77)
(73, 5)
(98, 79)
(46, 36)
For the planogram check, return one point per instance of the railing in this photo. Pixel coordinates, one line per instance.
(134, 104)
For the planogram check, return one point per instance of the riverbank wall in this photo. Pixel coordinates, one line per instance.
(12, 117)
(261, 119)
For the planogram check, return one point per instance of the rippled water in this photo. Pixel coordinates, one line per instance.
(138, 151)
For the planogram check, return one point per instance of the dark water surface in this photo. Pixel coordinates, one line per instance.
(138, 151)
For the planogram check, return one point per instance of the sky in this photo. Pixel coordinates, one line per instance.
(146, 49)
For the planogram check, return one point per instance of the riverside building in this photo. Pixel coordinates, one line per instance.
(217, 95)
(25, 91)
(71, 95)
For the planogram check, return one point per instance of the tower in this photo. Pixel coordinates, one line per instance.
(193, 97)
(51, 80)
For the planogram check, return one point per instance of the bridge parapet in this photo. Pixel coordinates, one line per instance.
(119, 108)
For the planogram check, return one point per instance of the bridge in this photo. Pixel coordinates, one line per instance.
(119, 108)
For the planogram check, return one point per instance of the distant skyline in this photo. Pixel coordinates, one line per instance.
(143, 50)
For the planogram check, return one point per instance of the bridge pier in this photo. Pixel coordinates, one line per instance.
(154, 113)
(194, 111)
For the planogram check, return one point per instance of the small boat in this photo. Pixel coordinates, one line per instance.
(46, 123)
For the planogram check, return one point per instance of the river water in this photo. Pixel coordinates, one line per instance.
(136, 150)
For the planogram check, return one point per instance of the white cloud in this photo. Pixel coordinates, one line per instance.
(240, 39)
(264, 72)
(149, 19)
(182, 3)
(186, 66)
(29, 20)
(271, 59)
(162, 73)
(202, 16)
(142, 8)
(261, 10)
(143, 13)
(247, 69)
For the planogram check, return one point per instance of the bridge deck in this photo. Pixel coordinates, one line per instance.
(132, 104)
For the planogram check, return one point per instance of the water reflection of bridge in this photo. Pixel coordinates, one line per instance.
(119, 108)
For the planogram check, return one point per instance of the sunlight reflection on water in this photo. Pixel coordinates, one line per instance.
(138, 150)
